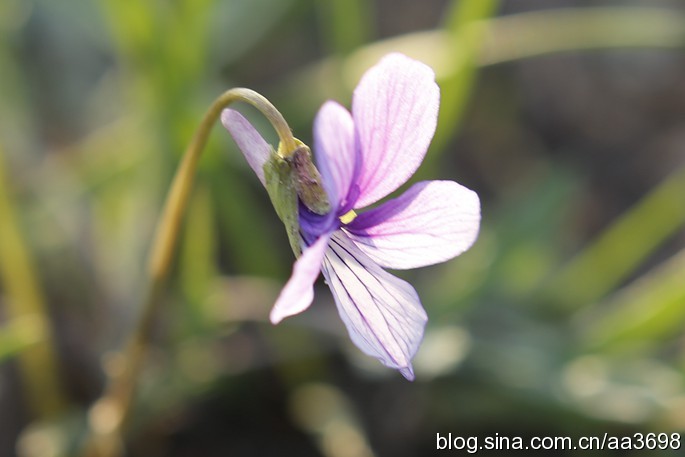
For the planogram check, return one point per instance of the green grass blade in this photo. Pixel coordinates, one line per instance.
(345, 24)
(621, 248)
(18, 335)
(24, 298)
(649, 309)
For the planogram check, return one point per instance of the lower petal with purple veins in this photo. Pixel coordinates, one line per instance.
(382, 313)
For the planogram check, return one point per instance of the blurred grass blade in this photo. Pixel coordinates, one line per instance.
(346, 24)
(651, 308)
(19, 334)
(505, 39)
(23, 298)
(465, 42)
(537, 33)
(238, 213)
(327, 414)
(621, 248)
(134, 27)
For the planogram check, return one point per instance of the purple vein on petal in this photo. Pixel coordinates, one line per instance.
(433, 221)
(382, 313)
(395, 109)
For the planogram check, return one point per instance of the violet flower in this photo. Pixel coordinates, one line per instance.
(363, 157)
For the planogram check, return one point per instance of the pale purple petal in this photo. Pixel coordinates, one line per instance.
(382, 313)
(298, 293)
(430, 223)
(395, 111)
(335, 153)
(255, 149)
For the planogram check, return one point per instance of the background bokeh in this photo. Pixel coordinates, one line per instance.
(566, 318)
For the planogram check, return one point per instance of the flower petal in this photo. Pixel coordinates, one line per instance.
(255, 149)
(430, 223)
(298, 292)
(335, 152)
(382, 313)
(395, 111)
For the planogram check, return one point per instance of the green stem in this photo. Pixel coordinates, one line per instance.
(109, 414)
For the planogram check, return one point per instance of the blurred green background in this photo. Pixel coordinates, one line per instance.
(565, 319)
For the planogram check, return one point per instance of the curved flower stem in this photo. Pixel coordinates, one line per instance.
(109, 414)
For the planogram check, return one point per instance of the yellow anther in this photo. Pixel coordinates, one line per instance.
(348, 217)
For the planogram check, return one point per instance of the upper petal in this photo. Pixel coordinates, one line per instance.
(395, 111)
(335, 152)
(298, 292)
(382, 313)
(255, 149)
(431, 222)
